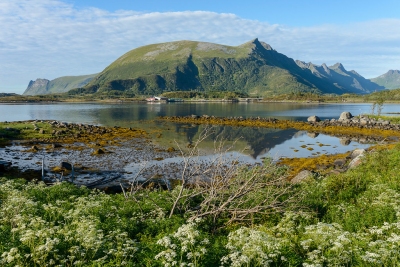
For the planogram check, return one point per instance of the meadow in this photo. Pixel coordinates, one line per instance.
(244, 217)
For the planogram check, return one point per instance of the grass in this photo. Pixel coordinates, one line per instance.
(338, 221)
(99, 135)
(345, 219)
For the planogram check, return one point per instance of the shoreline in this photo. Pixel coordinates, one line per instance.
(111, 157)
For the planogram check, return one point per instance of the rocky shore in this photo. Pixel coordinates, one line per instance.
(108, 157)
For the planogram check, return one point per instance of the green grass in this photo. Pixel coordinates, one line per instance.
(348, 219)
(23, 130)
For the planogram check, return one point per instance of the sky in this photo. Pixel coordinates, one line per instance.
(53, 38)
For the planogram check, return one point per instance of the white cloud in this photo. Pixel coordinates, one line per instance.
(49, 38)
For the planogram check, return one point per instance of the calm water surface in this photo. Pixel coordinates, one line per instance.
(256, 143)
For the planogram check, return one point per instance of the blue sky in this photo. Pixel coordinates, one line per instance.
(289, 12)
(53, 38)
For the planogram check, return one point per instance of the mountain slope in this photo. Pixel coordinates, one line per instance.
(390, 80)
(253, 67)
(59, 85)
(339, 76)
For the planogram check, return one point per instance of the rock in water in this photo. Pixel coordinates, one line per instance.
(345, 116)
(313, 119)
(66, 165)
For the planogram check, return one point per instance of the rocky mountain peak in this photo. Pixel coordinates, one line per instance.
(338, 66)
(391, 72)
(255, 44)
(36, 86)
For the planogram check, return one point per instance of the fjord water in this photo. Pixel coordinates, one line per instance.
(255, 142)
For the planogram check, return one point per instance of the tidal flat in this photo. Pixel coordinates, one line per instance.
(98, 157)
(112, 158)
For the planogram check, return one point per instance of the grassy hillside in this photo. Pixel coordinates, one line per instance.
(390, 80)
(66, 83)
(58, 85)
(253, 68)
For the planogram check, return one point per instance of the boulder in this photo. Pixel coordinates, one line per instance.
(312, 135)
(98, 151)
(357, 152)
(345, 116)
(339, 163)
(364, 121)
(301, 176)
(356, 161)
(4, 165)
(344, 141)
(66, 165)
(313, 119)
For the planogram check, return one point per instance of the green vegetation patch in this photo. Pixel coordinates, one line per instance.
(347, 219)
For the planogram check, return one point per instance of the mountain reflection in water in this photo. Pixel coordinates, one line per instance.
(256, 143)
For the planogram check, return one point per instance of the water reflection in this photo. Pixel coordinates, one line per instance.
(256, 142)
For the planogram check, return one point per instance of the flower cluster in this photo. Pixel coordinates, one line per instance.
(59, 233)
(249, 247)
(185, 247)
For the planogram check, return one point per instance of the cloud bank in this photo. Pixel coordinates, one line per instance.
(50, 38)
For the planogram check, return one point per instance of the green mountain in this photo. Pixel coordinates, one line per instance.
(254, 68)
(59, 85)
(340, 77)
(390, 80)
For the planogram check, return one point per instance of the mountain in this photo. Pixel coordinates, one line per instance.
(340, 77)
(254, 68)
(59, 85)
(390, 80)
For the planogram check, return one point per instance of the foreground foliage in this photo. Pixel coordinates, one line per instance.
(351, 219)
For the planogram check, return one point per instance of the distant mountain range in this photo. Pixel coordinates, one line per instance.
(59, 85)
(390, 80)
(254, 68)
(340, 77)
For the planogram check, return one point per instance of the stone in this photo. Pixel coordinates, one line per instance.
(41, 131)
(313, 119)
(99, 151)
(312, 135)
(345, 116)
(356, 161)
(364, 121)
(344, 141)
(357, 152)
(66, 165)
(301, 176)
(4, 165)
(55, 145)
(340, 162)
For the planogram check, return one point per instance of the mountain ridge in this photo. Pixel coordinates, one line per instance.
(390, 79)
(338, 75)
(254, 68)
(59, 85)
